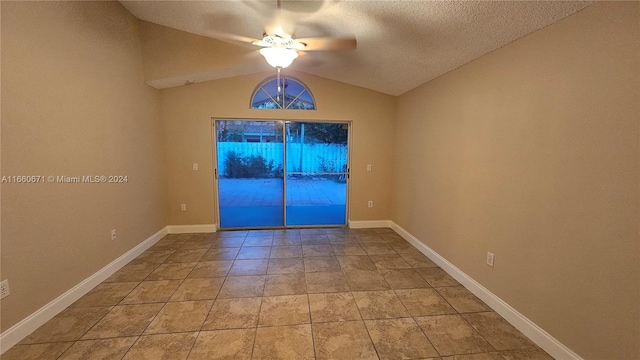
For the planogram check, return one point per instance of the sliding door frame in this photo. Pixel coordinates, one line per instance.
(283, 123)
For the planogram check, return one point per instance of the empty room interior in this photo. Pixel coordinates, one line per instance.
(320, 180)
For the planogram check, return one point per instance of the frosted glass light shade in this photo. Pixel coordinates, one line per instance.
(279, 57)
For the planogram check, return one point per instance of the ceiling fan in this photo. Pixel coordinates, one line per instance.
(280, 48)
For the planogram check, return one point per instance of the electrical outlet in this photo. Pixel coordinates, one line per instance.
(195, 167)
(490, 257)
(4, 289)
(370, 203)
(183, 207)
(113, 234)
(368, 167)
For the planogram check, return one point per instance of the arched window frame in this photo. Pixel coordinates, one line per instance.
(280, 103)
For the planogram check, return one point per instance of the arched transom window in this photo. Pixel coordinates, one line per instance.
(291, 94)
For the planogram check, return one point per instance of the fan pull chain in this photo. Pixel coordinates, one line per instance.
(279, 84)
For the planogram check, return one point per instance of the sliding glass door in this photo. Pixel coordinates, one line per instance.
(317, 171)
(250, 158)
(254, 158)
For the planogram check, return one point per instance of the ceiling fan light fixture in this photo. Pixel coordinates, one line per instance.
(279, 57)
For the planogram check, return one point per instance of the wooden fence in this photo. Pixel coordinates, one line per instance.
(308, 158)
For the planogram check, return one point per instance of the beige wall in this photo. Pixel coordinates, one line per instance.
(531, 152)
(172, 57)
(74, 103)
(187, 113)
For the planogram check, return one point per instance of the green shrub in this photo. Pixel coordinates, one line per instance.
(253, 166)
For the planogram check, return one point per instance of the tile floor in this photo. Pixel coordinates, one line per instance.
(283, 294)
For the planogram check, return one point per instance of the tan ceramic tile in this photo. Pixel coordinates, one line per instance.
(342, 241)
(379, 305)
(176, 238)
(284, 310)
(162, 346)
(234, 344)
(401, 246)
(312, 232)
(285, 284)
(526, 354)
(348, 263)
(124, 320)
(284, 343)
(260, 233)
(338, 231)
(399, 339)
(333, 307)
(206, 269)
(242, 286)
(369, 238)
(316, 250)
(323, 282)
(254, 252)
(198, 289)
(233, 234)
(423, 302)
(209, 235)
(106, 294)
(180, 316)
(197, 244)
(348, 249)
(316, 264)
(132, 273)
(103, 349)
(462, 299)
(498, 332)
(385, 231)
(377, 249)
(215, 254)
(152, 257)
(343, 340)
(394, 261)
(482, 356)
(37, 351)
(417, 260)
(228, 242)
(284, 252)
(233, 314)
(152, 292)
(451, 334)
(287, 241)
(258, 241)
(403, 279)
(249, 267)
(363, 280)
(286, 232)
(69, 325)
(176, 271)
(285, 266)
(186, 256)
(315, 241)
(437, 277)
(167, 244)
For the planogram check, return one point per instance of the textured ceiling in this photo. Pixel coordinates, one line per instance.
(401, 44)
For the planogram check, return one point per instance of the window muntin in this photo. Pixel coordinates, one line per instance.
(293, 95)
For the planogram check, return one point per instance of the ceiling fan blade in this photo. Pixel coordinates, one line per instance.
(328, 43)
(232, 37)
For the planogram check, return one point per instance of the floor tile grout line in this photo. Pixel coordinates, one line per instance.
(313, 340)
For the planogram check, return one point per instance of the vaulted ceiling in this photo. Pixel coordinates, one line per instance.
(401, 44)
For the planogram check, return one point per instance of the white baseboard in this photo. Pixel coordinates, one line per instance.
(192, 229)
(366, 224)
(19, 331)
(543, 339)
